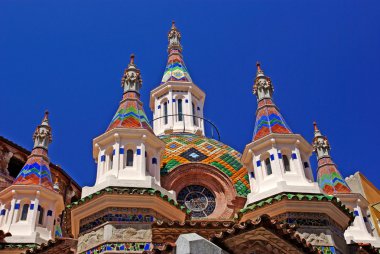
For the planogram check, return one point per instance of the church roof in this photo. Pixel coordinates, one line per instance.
(130, 113)
(328, 176)
(175, 68)
(189, 148)
(36, 170)
(268, 117)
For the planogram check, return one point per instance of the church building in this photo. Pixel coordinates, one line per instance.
(169, 184)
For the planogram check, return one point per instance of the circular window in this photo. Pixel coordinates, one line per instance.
(198, 199)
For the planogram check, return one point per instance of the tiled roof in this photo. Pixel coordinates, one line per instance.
(329, 178)
(176, 69)
(130, 114)
(188, 148)
(295, 196)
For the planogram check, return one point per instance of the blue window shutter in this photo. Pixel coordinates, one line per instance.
(138, 151)
(3, 212)
(49, 213)
(159, 106)
(272, 157)
(173, 100)
(31, 207)
(279, 155)
(121, 150)
(17, 206)
(103, 158)
(187, 101)
(294, 156)
(258, 163)
(356, 213)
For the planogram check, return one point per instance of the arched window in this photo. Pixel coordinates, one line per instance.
(24, 212)
(180, 116)
(194, 115)
(110, 161)
(268, 166)
(166, 113)
(40, 215)
(286, 163)
(129, 158)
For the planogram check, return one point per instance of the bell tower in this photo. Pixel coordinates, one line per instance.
(177, 103)
(277, 159)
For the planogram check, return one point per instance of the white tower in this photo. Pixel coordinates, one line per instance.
(177, 103)
(30, 207)
(277, 160)
(128, 154)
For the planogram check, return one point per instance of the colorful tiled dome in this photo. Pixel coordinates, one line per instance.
(189, 148)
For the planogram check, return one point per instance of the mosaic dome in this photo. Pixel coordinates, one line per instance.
(189, 148)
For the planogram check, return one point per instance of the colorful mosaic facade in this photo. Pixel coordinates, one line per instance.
(329, 178)
(269, 120)
(36, 170)
(176, 69)
(187, 148)
(133, 247)
(130, 114)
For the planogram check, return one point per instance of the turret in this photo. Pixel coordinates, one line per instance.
(30, 207)
(277, 159)
(128, 154)
(177, 103)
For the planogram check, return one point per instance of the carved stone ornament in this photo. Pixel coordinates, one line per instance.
(90, 239)
(131, 234)
(318, 240)
(5, 157)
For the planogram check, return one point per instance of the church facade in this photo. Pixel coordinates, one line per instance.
(168, 186)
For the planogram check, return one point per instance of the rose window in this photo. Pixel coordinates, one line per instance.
(198, 199)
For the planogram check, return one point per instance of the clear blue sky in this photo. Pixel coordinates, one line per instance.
(69, 56)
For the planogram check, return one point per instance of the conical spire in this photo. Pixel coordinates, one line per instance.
(175, 68)
(36, 170)
(268, 117)
(329, 178)
(130, 113)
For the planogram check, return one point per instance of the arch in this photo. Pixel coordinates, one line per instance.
(40, 215)
(129, 160)
(165, 112)
(210, 177)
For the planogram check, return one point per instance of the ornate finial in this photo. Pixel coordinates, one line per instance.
(262, 87)
(131, 80)
(320, 143)
(42, 135)
(56, 183)
(174, 38)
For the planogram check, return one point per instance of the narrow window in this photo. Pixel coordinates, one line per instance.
(268, 166)
(24, 213)
(286, 163)
(166, 113)
(180, 116)
(130, 157)
(194, 116)
(110, 161)
(41, 216)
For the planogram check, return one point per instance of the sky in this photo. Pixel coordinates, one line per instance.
(69, 57)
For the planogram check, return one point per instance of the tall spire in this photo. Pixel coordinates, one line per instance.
(36, 170)
(329, 178)
(130, 113)
(175, 68)
(268, 117)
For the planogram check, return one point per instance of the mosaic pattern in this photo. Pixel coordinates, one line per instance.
(269, 120)
(175, 68)
(217, 154)
(119, 247)
(119, 215)
(326, 249)
(36, 170)
(329, 178)
(57, 230)
(130, 114)
(198, 199)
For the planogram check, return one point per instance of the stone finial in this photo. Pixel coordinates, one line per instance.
(42, 135)
(174, 38)
(320, 143)
(131, 81)
(262, 87)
